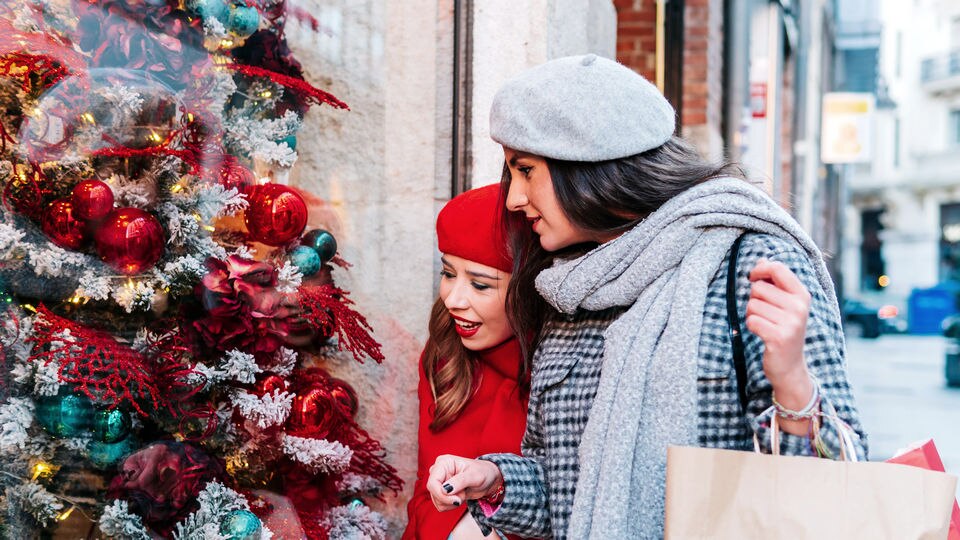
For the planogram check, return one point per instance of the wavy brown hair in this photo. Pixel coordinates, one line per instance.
(449, 367)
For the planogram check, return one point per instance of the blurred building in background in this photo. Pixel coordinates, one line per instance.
(902, 226)
(747, 78)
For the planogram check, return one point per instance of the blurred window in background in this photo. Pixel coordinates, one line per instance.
(950, 242)
(872, 267)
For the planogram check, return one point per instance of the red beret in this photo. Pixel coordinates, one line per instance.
(469, 227)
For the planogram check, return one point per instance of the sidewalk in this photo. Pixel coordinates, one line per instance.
(899, 386)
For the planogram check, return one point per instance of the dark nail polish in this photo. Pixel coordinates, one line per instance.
(456, 503)
(448, 488)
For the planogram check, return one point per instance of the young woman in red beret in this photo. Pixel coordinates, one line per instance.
(472, 390)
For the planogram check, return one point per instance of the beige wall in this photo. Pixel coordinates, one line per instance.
(382, 170)
(374, 167)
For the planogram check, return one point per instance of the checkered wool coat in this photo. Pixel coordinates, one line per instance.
(540, 485)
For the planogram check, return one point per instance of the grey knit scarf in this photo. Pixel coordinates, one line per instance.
(647, 394)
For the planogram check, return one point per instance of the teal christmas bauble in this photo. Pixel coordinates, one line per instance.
(241, 525)
(104, 455)
(356, 503)
(306, 259)
(65, 415)
(322, 241)
(110, 426)
(209, 9)
(243, 21)
(291, 141)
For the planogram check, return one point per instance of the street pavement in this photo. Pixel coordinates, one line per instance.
(899, 386)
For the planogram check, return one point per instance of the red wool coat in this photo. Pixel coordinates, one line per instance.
(492, 421)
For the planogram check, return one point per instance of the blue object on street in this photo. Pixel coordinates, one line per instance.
(929, 307)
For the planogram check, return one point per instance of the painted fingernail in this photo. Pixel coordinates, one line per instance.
(448, 488)
(456, 503)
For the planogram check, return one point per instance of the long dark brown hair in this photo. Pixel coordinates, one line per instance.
(606, 197)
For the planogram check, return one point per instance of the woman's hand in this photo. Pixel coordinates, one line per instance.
(454, 480)
(777, 313)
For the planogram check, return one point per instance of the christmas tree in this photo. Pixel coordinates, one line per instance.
(167, 318)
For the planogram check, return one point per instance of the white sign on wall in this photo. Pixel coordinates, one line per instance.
(846, 130)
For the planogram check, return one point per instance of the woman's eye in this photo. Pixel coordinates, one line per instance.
(446, 274)
(525, 170)
(480, 286)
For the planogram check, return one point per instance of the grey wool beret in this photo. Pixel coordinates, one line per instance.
(580, 108)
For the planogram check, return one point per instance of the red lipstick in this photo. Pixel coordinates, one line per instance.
(468, 329)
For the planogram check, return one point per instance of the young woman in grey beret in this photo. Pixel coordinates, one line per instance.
(626, 233)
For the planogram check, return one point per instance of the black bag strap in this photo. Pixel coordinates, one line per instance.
(733, 320)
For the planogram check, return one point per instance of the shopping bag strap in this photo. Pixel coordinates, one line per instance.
(848, 452)
(733, 321)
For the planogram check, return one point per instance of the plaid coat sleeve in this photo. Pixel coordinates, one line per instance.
(524, 510)
(823, 350)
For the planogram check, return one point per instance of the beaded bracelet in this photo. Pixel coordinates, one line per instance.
(494, 499)
(806, 413)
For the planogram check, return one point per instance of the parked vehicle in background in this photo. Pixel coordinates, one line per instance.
(863, 320)
(860, 320)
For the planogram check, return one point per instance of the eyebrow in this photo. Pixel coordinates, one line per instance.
(516, 156)
(470, 272)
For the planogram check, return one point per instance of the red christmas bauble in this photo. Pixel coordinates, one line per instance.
(130, 240)
(92, 200)
(269, 383)
(276, 214)
(344, 394)
(313, 412)
(62, 226)
(234, 175)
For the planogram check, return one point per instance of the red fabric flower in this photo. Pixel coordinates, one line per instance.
(161, 482)
(243, 307)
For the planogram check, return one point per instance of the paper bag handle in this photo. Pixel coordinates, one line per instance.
(848, 451)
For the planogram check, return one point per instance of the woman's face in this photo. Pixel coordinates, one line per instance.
(531, 192)
(474, 295)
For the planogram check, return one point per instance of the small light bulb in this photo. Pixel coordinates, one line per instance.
(65, 515)
(39, 470)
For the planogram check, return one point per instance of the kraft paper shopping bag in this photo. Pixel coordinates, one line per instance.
(727, 494)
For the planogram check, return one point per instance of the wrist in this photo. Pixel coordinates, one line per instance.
(793, 389)
(495, 496)
(494, 493)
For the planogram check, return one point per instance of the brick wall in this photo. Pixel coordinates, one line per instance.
(702, 62)
(637, 35)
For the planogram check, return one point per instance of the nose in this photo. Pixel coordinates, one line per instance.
(516, 196)
(457, 299)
